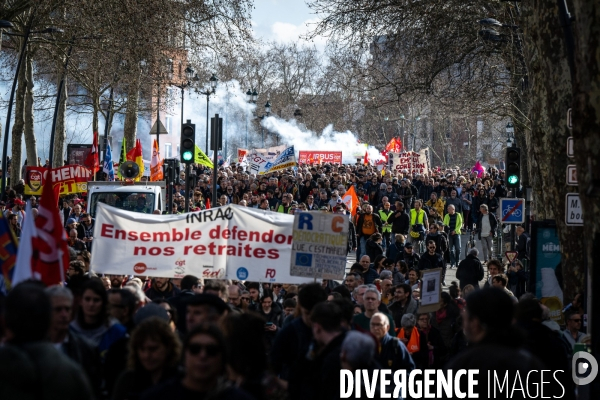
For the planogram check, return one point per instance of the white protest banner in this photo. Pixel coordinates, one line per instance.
(268, 154)
(320, 245)
(258, 164)
(410, 161)
(287, 159)
(232, 242)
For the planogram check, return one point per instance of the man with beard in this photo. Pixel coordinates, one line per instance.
(162, 288)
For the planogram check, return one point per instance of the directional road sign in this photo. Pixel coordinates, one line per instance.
(574, 214)
(513, 211)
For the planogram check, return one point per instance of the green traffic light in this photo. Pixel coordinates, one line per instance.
(513, 179)
(187, 156)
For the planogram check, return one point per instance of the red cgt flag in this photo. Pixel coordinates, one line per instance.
(50, 257)
(92, 161)
(366, 162)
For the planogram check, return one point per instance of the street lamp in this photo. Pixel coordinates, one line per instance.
(4, 25)
(209, 90)
(266, 114)
(510, 135)
(251, 97)
(190, 76)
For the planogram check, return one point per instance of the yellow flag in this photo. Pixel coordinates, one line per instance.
(202, 159)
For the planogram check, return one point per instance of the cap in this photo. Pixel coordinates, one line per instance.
(407, 244)
(71, 221)
(149, 311)
(77, 201)
(19, 202)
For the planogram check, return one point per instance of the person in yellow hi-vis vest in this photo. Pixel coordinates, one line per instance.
(418, 224)
(386, 225)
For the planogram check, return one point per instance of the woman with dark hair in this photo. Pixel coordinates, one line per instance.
(373, 246)
(273, 317)
(205, 362)
(378, 263)
(93, 321)
(154, 352)
(172, 311)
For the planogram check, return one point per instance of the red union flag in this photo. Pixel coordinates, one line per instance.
(319, 157)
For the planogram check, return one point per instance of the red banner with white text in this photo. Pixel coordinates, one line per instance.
(320, 157)
(71, 178)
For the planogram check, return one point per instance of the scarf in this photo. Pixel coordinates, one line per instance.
(414, 343)
(440, 315)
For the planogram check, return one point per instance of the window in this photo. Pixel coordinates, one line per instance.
(168, 150)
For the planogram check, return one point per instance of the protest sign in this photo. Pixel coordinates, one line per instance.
(268, 154)
(410, 161)
(71, 178)
(242, 153)
(317, 157)
(320, 245)
(287, 159)
(232, 242)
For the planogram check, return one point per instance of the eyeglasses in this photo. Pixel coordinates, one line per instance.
(211, 350)
(431, 247)
(245, 298)
(277, 286)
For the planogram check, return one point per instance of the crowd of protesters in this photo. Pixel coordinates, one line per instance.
(133, 337)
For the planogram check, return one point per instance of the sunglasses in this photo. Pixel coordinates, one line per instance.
(211, 350)
(245, 298)
(277, 286)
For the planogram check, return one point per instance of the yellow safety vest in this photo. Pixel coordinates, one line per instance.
(413, 216)
(384, 218)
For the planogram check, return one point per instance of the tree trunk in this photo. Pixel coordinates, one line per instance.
(17, 130)
(30, 141)
(550, 98)
(96, 110)
(61, 133)
(131, 115)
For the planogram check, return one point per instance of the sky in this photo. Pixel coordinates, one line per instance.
(283, 20)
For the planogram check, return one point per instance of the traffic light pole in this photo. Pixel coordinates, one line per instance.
(188, 170)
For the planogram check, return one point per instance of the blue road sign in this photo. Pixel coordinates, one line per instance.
(512, 211)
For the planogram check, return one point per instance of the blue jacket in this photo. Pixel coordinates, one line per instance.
(393, 354)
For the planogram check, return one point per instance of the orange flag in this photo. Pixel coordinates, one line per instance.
(156, 171)
(366, 158)
(350, 199)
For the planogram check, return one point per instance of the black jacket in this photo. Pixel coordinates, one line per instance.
(469, 271)
(411, 260)
(400, 222)
(429, 261)
(441, 243)
(171, 291)
(373, 249)
(327, 368)
(351, 236)
(361, 220)
(493, 224)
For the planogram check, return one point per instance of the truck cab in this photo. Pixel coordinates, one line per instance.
(142, 197)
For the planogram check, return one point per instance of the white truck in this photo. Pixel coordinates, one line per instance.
(143, 197)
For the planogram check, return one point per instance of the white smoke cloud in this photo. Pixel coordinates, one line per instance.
(329, 140)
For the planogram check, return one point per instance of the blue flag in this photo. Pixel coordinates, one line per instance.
(107, 167)
(8, 254)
